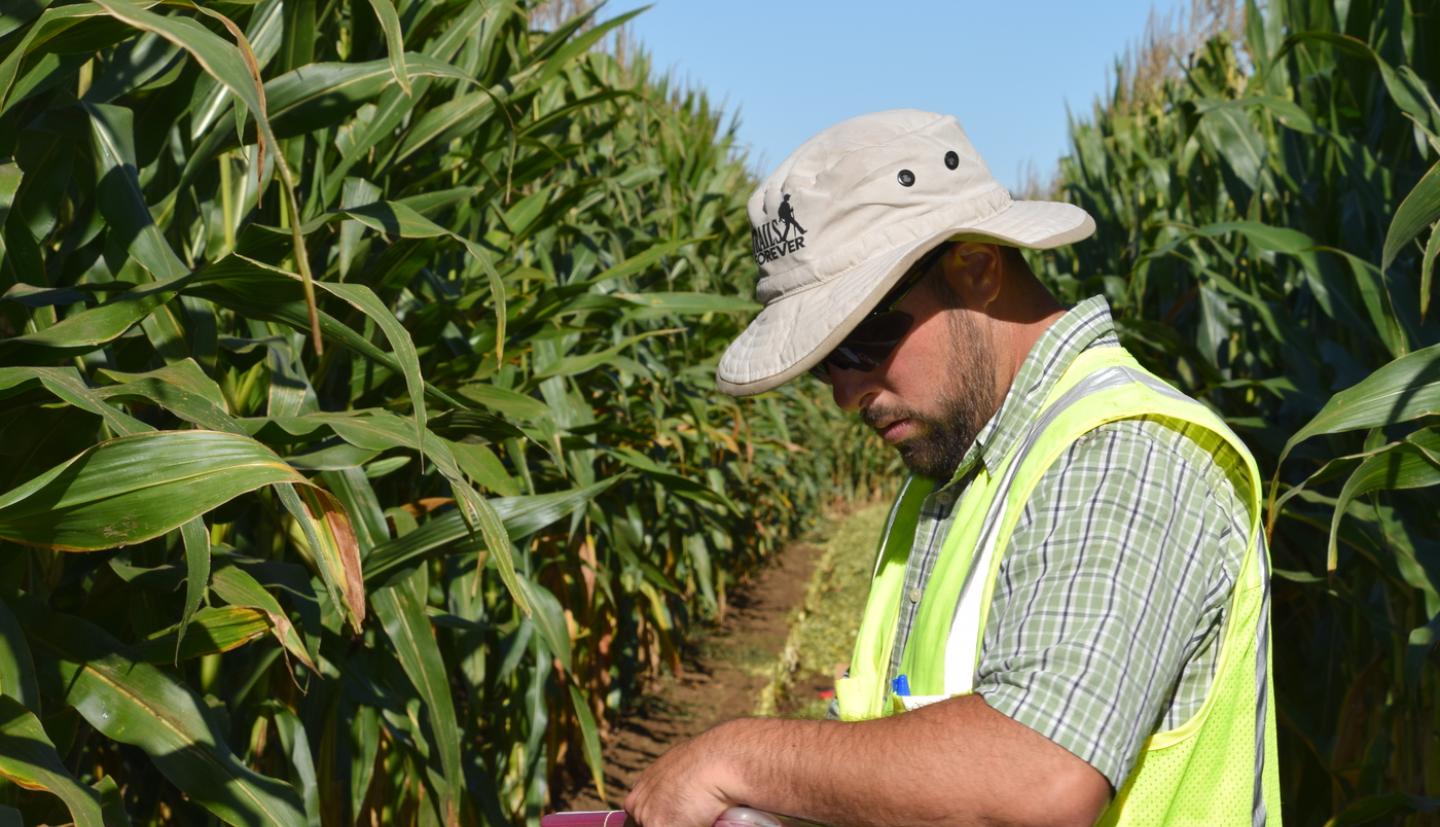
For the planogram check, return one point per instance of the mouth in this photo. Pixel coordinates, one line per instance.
(894, 430)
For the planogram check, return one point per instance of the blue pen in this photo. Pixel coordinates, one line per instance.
(901, 685)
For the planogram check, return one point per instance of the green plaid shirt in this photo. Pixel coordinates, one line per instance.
(1106, 619)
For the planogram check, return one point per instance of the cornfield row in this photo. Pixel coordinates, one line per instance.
(1267, 236)
(361, 452)
(360, 447)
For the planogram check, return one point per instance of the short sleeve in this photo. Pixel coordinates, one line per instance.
(1112, 589)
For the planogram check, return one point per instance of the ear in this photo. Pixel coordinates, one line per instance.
(974, 271)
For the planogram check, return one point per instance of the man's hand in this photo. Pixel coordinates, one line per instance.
(954, 762)
(688, 786)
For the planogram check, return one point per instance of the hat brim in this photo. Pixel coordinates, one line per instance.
(792, 334)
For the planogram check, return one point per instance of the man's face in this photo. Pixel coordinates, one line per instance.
(937, 389)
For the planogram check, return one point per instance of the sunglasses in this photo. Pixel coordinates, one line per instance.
(876, 336)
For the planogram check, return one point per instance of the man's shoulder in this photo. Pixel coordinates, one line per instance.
(1174, 458)
(1194, 448)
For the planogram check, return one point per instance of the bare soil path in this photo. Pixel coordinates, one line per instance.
(722, 679)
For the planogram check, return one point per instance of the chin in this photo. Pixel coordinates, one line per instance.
(924, 463)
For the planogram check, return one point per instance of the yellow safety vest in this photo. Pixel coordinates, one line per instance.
(1218, 767)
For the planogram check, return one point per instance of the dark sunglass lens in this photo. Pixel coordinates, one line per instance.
(867, 346)
(849, 357)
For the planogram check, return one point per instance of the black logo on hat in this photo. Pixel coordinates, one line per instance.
(787, 215)
(772, 239)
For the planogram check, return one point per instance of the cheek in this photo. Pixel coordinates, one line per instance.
(925, 367)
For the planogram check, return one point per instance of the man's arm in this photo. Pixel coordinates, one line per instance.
(953, 762)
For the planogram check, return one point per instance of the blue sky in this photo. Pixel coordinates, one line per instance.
(1007, 70)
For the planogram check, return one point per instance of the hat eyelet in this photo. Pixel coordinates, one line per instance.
(952, 159)
(906, 178)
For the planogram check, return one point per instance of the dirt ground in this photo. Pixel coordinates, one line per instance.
(723, 677)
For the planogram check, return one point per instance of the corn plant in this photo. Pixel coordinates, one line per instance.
(361, 449)
(1267, 236)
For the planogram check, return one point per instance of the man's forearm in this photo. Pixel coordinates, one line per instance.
(956, 762)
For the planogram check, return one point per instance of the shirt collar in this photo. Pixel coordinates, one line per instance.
(1084, 325)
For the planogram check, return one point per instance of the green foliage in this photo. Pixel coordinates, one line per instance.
(366, 350)
(824, 627)
(1267, 234)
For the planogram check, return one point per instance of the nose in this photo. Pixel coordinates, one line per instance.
(852, 389)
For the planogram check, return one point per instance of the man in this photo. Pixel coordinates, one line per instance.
(1069, 613)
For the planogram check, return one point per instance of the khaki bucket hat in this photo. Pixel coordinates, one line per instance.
(842, 219)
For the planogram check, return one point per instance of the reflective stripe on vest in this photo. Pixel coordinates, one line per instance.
(962, 648)
(1104, 385)
(1263, 687)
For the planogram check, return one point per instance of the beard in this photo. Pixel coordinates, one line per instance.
(966, 403)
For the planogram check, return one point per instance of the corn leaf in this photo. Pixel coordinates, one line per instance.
(394, 41)
(1420, 209)
(1414, 463)
(66, 384)
(332, 546)
(28, 759)
(401, 609)
(590, 740)
(209, 631)
(237, 587)
(196, 540)
(1405, 389)
(549, 618)
(135, 703)
(520, 517)
(103, 324)
(297, 748)
(181, 388)
(17, 668)
(133, 488)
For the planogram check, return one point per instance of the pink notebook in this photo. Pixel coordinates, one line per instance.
(733, 817)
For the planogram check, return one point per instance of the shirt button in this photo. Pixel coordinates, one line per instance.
(915, 594)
